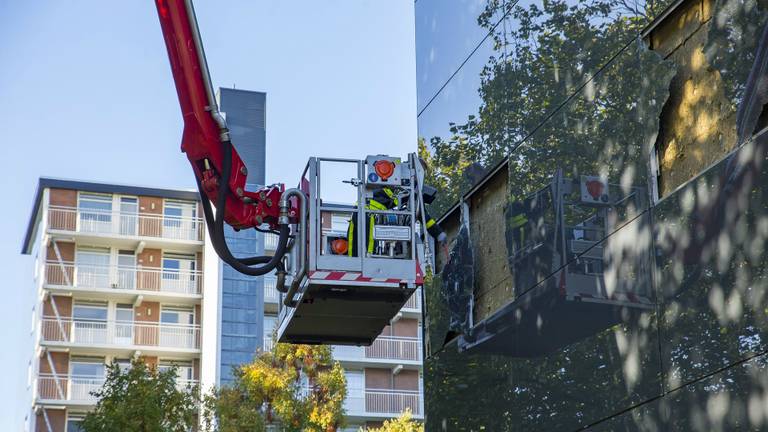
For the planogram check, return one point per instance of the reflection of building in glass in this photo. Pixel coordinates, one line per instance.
(625, 285)
(561, 268)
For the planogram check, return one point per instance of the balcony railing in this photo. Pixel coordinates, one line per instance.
(383, 348)
(270, 291)
(268, 343)
(414, 302)
(125, 223)
(270, 241)
(392, 401)
(78, 388)
(382, 402)
(126, 333)
(394, 348)
(73, 275)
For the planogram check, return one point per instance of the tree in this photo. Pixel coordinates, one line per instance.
(299, 387)
(554, 94)
(233, 408)
(142, 399)
(544, 54)
(403, 423)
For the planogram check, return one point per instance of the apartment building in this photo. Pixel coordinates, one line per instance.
(383, 379)
(118, 275)
(125, 271)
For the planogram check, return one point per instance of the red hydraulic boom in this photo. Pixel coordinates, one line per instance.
(331, 295)
(205, 134)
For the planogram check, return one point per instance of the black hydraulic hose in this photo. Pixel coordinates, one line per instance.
(220, 245)
(221, 197)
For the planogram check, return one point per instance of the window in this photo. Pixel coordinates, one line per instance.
(124, 324)
(86, 377)
(177, 315)
(355, 401)
(95, 212)
(86, 367)
(179, 273)
(92, 265)
(340, 222)
(270, 323)
(123, 364)
(89, 311)
(179, 220)
(95, 202)
(74, 422)
(90, 322)
(175, 329)
(126, 270)
(129, 215)
(184, 370)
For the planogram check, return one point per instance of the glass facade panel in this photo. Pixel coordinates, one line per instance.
(726, 401)
(542, 359)
(711, 268)
(242, 303)
(538, 56)
(609, 274)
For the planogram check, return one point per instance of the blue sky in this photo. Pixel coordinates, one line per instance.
(87, 93)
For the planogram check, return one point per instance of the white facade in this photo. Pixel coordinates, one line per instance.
(118, 275)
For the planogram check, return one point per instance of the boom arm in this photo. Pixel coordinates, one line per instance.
(206, 135)
(219, 171)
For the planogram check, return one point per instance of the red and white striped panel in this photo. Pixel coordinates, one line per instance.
(350, 276)
(358, 277)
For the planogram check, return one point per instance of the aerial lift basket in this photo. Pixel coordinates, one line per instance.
(360, 261)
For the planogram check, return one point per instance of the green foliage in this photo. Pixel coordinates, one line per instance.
(141, 399)
(299, 387)
(403, 423)
(233, 408)
(544, 54)
(543, 107)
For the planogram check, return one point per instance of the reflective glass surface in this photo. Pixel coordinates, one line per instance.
(446, 34)
(730, 400)
(242, 305)
(711, 267)
(546, 360)
(631, 214)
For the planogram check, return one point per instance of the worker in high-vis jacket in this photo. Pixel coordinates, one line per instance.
(383, 199)
(434, 229)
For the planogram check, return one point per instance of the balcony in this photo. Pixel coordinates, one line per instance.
(269, 343)
(124, 224)
(72, 388)
(385, 349)
(414, 303)
(382, 403)
(132, 278)
(270, 242)
(77, 389)
(271, 294)
(129, 334)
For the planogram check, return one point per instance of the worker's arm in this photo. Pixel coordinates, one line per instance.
(434, 229)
